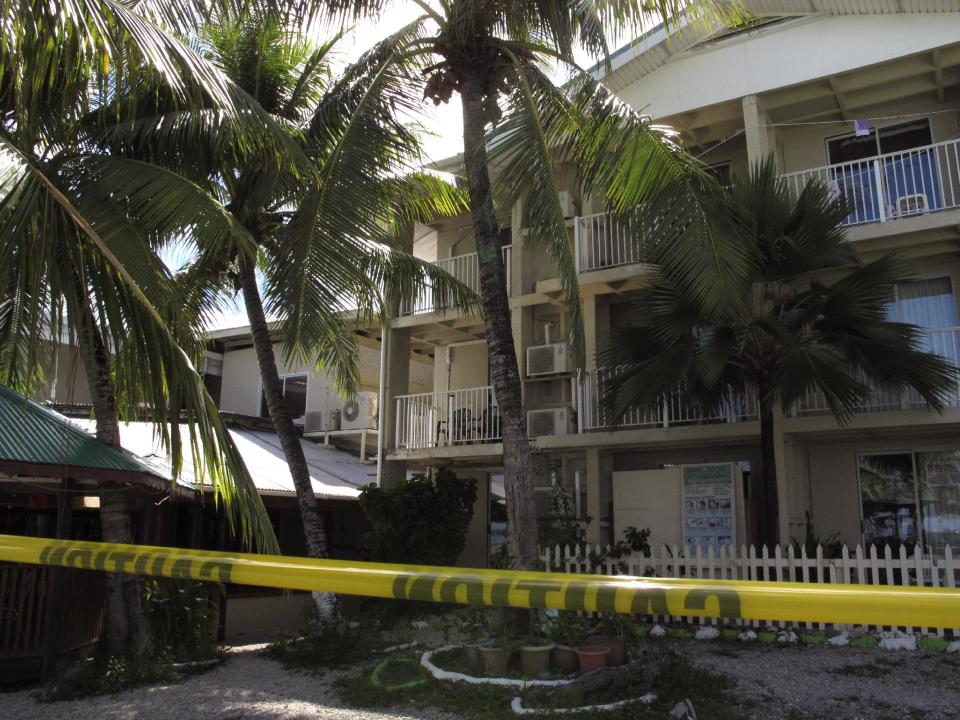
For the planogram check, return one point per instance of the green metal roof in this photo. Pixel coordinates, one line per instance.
(33, 434)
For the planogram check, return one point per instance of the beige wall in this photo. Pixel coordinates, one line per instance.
(240, 389)
(834, 490)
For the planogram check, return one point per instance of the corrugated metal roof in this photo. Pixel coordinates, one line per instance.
(655, 47)
(33, 434)
(335, 474)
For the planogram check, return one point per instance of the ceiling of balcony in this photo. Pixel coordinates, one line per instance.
(923, 81)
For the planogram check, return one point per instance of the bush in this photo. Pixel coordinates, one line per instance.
(182, 614)
(422, 520)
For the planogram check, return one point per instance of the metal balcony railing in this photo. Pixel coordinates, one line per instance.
(892, 186)
(466, 269)
(454, 417)
(601, 241)
(944, 342)
(672, 410)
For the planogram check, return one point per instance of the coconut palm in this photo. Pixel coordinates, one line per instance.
(318, 222)
(493, 55)
(785, 331)
(78, 234)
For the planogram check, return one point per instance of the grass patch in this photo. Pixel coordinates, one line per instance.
(730, 634)
(936, 644)
(814, 639)
(681, 634)
(675, 680)
(865, 641)
(328, 648)
(767, 636)
(99, 677)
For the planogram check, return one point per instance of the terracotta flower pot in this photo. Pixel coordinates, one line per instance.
(535, 659)
(615, 643)
(472, 651)
(565, 659)
(494, 661)
(592, 657)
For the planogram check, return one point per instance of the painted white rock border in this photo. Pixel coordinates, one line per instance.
(517, 706)
(441, 674)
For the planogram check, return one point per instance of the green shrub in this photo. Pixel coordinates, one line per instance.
(181, 613)
(422, 520)
(937, 644)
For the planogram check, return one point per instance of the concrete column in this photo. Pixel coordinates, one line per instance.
(397, 383)
(760, 138)
(595, 508)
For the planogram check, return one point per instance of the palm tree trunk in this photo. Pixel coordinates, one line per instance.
(127, 631)
(313, 530)
(771, 528)
(504, 373)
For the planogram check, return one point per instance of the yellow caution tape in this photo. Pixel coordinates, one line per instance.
(748, 600)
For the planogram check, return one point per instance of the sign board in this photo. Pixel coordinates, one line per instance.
(709, 505)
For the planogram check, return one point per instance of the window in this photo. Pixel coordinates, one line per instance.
(721, 173)
(927, 303)
(497, 516)
(911, 497)
(295, 395)
(895, 138)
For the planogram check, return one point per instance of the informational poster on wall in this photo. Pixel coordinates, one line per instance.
(709, 505)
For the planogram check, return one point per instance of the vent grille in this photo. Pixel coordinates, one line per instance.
(542, 360)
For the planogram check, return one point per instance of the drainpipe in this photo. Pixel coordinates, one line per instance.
(382, 401)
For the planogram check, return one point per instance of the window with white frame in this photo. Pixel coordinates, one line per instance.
(294, 393)
(927, 303)
(909, 498)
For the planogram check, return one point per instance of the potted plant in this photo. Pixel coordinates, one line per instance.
(474, 634)
(591, 657)
(611, 631)
(535, 656)
(568, 631)
(496, 657)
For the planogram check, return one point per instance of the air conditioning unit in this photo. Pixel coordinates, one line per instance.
(555, 421)
(566, 202)
(359, 412)
(315, 421)
(548, 359)
(212, 364)
(912, 204)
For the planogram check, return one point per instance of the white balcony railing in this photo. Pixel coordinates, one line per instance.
(672, 410)
(466, 269)
(944, 342)
(892, 186)
(601, 241)
(455, 417)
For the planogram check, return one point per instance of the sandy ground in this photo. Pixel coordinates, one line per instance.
(835, 683)
(771, 682)
(248, 686)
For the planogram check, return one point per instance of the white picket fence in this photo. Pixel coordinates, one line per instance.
(871, 567)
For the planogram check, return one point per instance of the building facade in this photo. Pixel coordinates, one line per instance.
(865, 99)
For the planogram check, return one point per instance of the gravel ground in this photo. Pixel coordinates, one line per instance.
(771, 682)
(835, 683)
(248, 686)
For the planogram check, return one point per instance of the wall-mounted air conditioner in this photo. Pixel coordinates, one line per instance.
(212, 364)
(548, 359)
(566, 202)
(555, 421)
(315, 421)
(359, 412)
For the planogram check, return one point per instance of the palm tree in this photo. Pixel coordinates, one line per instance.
(318, 221)
(78, 234)
(493, 55)
(785, 329)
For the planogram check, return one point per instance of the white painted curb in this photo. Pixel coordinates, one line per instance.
(517, 706)
(441, 674)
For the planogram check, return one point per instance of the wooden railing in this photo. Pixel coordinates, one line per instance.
(26, 590)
